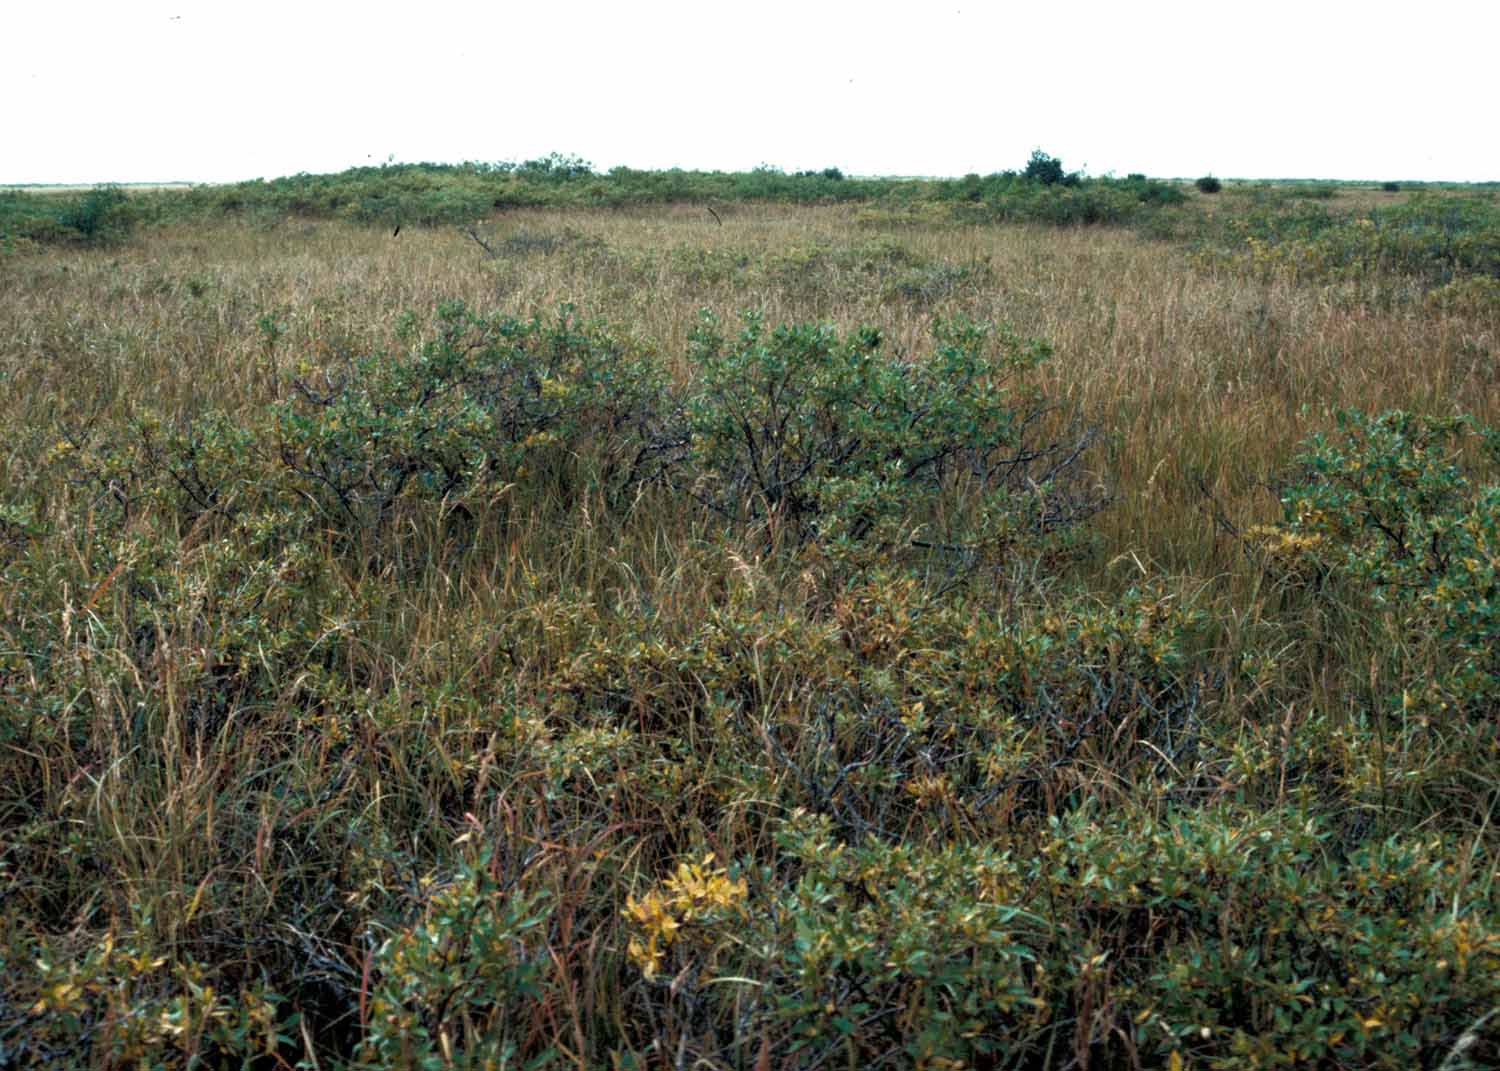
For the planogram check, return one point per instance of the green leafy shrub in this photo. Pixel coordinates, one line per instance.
(1090, 204)
(1048, 170)
(1009, 197)
(1472, 295)
(833, 174)
(555, 167)
(18, 212)
(1314, 191)
(1391, 187)
(426, 206)
(100, 215)
(221, 622)
(834, 438)
(1152, 192)
(118, 1001)
(1388, 507)
(1431, 240)
(483, 404)
(1208, 184)
(432, 194)
(880, 950)
(452, 989)
(1207, 938)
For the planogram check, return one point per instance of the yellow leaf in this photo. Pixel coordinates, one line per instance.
(1174, 1062)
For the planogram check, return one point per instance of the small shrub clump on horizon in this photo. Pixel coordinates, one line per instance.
(429, 195)
(1048, 170)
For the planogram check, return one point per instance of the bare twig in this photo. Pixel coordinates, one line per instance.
(474, 234)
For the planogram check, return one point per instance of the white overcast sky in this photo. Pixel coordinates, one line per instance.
(151, 91)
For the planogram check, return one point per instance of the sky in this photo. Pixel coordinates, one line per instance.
(183, 90)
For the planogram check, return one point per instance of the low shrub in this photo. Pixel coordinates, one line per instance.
(1153, 192)
(1469, 295)
(1208, 184)
(1429, 240)
(1208, 938)
(484, 403)
(100, 216)
(1314, 191)
(1389, 508)
(120, 1001)
(905, 711)
(554, 167)
(1011, 197)
(428, 194)
(456, 985)
(836, 440)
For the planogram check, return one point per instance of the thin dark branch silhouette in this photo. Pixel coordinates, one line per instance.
(474, 234)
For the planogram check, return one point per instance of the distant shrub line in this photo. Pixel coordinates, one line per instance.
(436, 194)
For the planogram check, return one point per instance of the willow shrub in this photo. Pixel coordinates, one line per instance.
(1390, 508)
(831, 437)
(1208, 938)
(1391, 538)
(482, 404)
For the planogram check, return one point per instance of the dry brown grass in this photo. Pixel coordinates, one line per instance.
(1202, 379)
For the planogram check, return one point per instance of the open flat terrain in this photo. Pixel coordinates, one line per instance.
(395, 682)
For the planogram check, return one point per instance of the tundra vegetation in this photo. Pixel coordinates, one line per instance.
(674, 619)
